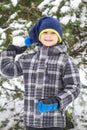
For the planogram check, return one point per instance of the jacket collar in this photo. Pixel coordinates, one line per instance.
(54, 50)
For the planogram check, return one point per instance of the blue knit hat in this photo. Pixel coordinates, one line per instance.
(42, 25)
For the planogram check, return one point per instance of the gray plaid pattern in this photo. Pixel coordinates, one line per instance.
(47, 72)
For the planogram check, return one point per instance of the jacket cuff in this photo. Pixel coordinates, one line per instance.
(62, 102)
(10, 54)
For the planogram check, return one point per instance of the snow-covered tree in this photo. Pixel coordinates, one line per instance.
(16, 18)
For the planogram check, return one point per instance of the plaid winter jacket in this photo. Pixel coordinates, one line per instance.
(48, 71)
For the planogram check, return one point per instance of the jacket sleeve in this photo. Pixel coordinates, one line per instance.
(9, 67)
(71, 84)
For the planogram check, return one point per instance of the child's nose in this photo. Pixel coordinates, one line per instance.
(49, 35)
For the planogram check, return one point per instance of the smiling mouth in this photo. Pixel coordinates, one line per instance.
(48, 40)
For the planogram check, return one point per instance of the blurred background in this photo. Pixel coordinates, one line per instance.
(16, 18)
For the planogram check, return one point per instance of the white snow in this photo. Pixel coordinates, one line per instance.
(3, 36)
(65, 9)
(17, 32)
(43, 3)
(16, 25)
(75, 3)
(1, 30)
(83, 75)
(13, 16)
(14, 2)
(1, 42)
(18, 41)
(65, 19)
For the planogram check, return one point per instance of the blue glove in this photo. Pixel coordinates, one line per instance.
(47, 105)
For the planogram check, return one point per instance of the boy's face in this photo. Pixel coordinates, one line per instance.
(49, 38)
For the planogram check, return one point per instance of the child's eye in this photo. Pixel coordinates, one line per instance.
(52, 33)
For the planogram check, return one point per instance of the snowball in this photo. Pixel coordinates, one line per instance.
(18, 41)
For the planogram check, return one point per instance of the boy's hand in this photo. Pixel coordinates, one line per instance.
(18, 46)
(16, 49)
(47, 105)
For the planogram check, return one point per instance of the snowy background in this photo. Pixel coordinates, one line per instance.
(10, 106)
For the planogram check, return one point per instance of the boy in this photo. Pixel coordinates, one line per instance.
(51, 78)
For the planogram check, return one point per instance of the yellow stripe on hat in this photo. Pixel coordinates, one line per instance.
(52, 30)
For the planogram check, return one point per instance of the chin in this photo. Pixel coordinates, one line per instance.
(47, 44)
